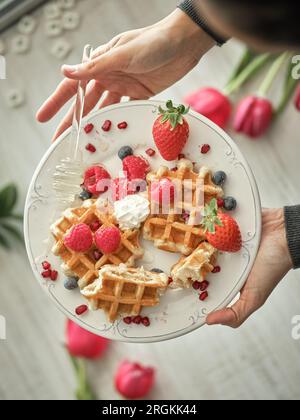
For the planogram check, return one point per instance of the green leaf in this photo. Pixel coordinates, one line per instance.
(4, 242)
(169, 105)
(18, 217)
(12, 231)
(8, 199)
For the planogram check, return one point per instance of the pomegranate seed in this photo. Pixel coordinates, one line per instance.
(97, 255)
(181, 156)
(205, 148)
(137, 319)
(95, 226)
(81, 309)
(220, 202)
(216, 269)
(146, 321)
(123, 125)
(88, 128)
(150, 152)
(170, 280)
(46, 274)
(127, 320)
(196, 285)
(203, 296)
(203, 285)
(174, 169)
(54, 275)
(46, 265)
(106, 125)
(90, 148)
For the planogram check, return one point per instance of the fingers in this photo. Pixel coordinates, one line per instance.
(93, 95)
(232, 317)
(110, 99)
(63, 93)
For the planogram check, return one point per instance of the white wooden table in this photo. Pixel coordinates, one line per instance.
(260, 360)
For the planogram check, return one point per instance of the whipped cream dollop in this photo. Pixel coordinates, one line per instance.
(132, 211)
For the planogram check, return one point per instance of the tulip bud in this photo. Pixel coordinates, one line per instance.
(253, 116)
(82, 343)
(133, 380)
(212, 104)
(297, 98)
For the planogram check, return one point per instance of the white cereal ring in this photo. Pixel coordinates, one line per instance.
(71, 20)
(52, 11)
(61, 48)
(20, 44)
(66, 4)
(26, 25)
(53, 28)
(15, 98)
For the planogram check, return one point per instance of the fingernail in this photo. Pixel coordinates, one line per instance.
(70, 69)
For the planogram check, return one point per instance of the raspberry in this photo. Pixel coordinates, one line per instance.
(79, 238)
(108, 239)
(90, 148)
(106, 125)
(136, 167)
(88, 128)
(92, 180)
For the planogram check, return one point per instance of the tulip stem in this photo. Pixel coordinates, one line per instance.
(288, 89)
(247, 57)
(83, 392)
(271, 75)
(246, 73)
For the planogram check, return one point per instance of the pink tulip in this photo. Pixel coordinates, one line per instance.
(253, 116)
(82, 343)
(133, 380)
(212, 104)
(297, 98)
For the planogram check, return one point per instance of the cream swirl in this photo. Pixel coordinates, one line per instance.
(132, 211)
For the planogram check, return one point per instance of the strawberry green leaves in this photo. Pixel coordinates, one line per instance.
(8, 220)
(173, 114)
(210, 216)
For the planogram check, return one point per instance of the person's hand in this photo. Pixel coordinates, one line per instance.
(137, 64)
(272, 263)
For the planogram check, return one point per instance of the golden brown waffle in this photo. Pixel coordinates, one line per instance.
(84, 265)
(194, 267)
(167, 228)
(123, 290)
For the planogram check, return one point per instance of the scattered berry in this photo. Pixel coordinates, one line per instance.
(85, 195)
(88, 128)
(219, 178)
(174, 169)
(146, 321)
(216, 269)
(170, 280)
(220, 202)
(127, 320)
(97, 255)
(96, 180)
(79, 238)
(123, 125)
(80, 310)
(230, 203)
(203, 296)
(181, 156)
(106, 125)
(205, 148)
(163, 191)
(150, 152)
(95, 226)
(46, 274)
(54, 275)
(46, 265)
(196, 285)
(124, 152)
(136, 167)
(157, 270)
(137, 319)
(171, 131)
(90, 148)
(71, 283)
(203, 285)
(108, 239)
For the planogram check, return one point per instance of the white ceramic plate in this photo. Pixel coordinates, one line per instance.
(179, 312)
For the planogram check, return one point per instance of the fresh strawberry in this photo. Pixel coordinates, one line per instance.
(92, 178)
(222, 231)
(79, 238)
(171, 131)
(108, 239)
(136, 167)
(163, 191)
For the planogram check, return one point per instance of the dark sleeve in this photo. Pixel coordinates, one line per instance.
(292, 226)
(188, 6)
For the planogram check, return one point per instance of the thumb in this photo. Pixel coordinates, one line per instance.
(109, 61)
(232, 317)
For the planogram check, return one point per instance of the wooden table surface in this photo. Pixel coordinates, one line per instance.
(258, 361)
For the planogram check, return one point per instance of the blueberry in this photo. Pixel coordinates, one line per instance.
(219, 178)
(85, 195)
(230, 203)
(124, 152)
(156, 270)
(71, 283)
